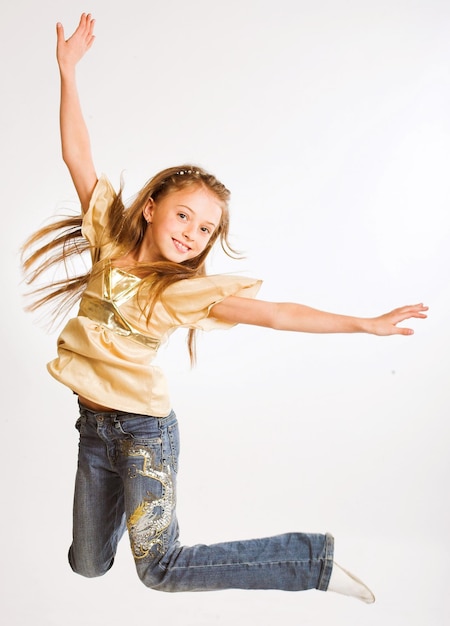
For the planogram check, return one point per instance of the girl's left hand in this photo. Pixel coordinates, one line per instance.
(386, 324)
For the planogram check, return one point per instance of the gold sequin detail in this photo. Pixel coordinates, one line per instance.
(151, 517)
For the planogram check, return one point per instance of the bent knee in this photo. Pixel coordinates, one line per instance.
(154, 576)
(88, 567)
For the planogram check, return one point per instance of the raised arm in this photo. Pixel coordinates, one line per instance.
(301, 318)
(76, 148)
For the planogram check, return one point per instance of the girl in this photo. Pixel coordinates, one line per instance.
(147, 279)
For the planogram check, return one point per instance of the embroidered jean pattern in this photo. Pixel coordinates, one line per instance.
(151, 518)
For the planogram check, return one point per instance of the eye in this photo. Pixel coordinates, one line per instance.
(182, 216)
(205, 230)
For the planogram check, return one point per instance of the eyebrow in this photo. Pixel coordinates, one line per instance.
(184, 206)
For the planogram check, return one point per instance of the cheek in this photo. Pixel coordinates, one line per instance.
(165, 226)
(208, 243)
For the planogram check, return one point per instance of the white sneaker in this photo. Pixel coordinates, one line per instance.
(346, 584)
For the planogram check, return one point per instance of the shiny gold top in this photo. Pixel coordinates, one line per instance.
(106, 353)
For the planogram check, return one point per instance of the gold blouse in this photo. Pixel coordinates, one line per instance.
(106, 353)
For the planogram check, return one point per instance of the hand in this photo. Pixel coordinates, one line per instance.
(69, 52)
(387, 324)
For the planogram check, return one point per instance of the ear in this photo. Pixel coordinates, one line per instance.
(148, 210)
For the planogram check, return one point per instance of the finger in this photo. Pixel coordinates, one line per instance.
(60, 32)
(408, 316)
(86, 27)
(90, 34)
(410, 311)
(415, 307)
(414, 314)
(404, 331)
(90, 42)
(87, 22)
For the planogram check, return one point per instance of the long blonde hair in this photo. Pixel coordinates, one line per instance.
(54, 245)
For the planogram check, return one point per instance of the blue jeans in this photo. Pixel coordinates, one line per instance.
(126, 479)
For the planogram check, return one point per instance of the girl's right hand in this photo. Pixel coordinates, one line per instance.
(69, 52)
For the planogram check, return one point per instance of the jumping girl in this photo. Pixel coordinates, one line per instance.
(147, 279)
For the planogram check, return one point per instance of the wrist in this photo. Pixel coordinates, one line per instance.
(366, 325)
(66, 70)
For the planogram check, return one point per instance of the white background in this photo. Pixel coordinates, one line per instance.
(329, 121)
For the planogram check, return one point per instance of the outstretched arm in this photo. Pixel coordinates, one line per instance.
(301, 318)
(76, 149)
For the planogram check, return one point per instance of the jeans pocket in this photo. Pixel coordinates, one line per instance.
(139, 428)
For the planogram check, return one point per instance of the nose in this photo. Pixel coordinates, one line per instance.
(187, 233)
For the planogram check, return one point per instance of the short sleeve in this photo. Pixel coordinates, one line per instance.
(189, 301)
(95, 218)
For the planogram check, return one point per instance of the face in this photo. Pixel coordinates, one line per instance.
(180, 224)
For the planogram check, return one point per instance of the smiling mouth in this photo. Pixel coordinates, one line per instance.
(180, 246)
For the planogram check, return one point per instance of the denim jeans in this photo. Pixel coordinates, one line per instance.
(126, 479)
